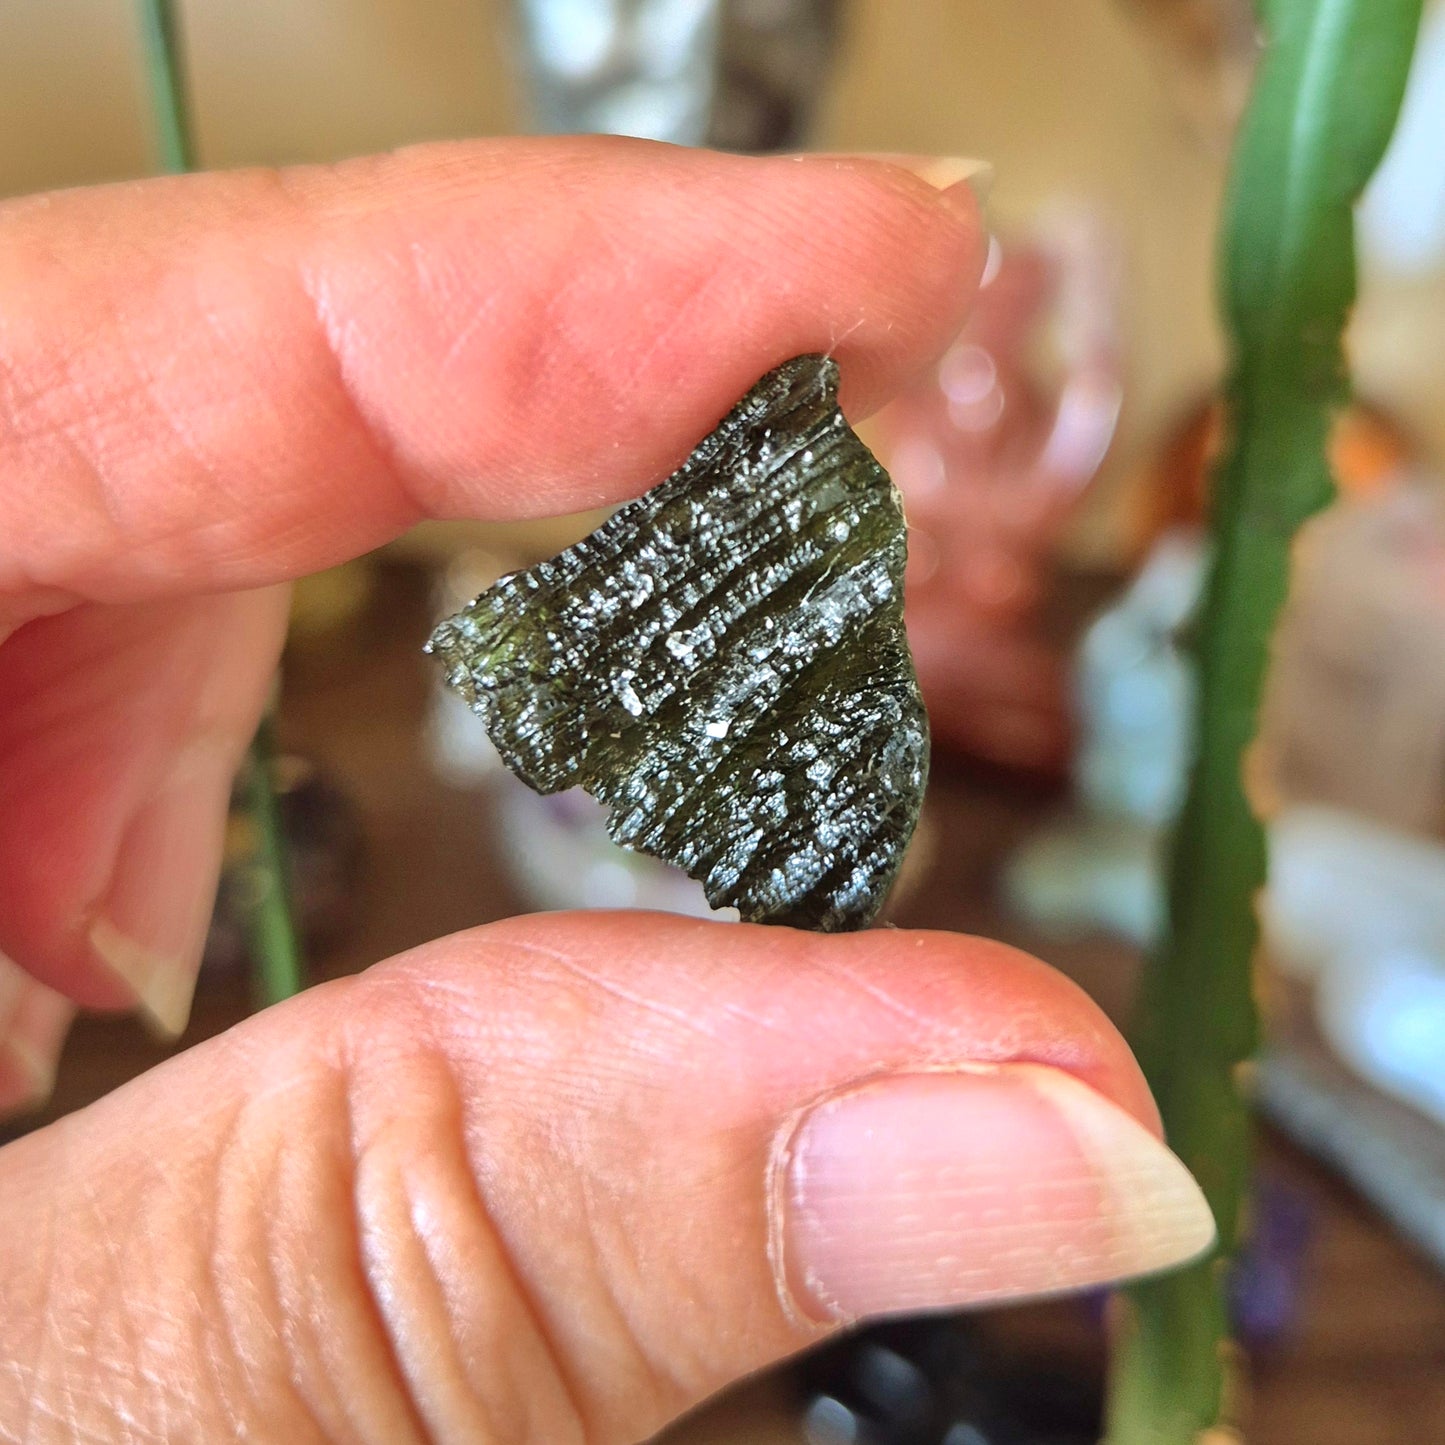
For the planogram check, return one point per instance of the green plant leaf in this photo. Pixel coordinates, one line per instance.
(1325, 101)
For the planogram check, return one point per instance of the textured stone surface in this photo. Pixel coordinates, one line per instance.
(723, 664)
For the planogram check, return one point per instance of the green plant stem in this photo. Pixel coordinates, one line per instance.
(1324, 105)
(275, 946)
(269, 919)
(170, 98)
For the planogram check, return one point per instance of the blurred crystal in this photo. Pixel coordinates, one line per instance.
(1355, 706)
(1384, 1013)
(1349, 769)
(1343, 886)
(1358, 908)
(937, 1380)
(774, 60)
(993, 452)
(1269, 1277)
(621, 67)
(1354, 712)
(1135, 689)
(741, 75)
(1402, 213)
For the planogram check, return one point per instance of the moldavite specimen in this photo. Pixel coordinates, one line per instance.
(723, 664)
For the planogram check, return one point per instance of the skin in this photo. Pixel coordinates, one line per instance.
(521, 1184)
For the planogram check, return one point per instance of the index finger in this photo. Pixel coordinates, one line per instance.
(217, 382)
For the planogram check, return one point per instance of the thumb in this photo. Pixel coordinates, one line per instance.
(560, 1178)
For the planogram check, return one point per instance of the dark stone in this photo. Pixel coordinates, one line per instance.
(723, 663)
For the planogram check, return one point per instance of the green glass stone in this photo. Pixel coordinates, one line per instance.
(723, 664)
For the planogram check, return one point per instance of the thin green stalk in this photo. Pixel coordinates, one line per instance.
(276, 951)
(275, 947)
(269, 917)
(170, 99)
(1323, 109)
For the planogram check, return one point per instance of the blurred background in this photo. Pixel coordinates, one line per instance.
(1055, 467)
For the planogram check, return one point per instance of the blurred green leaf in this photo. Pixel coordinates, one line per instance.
(1325, 101)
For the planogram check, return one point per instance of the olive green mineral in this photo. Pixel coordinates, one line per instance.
(723, 664)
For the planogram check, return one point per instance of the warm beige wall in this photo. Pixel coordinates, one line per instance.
(1069, 100)
(274, 81)
(69, 98)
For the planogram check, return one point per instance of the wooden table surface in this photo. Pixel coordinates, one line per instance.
(1367, 1365)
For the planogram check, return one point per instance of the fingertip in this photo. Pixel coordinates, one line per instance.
(338, 350)
(934, 207)
(642, 292)
(621, 1150)
(120, 733)
(149, 928)
(880, 999)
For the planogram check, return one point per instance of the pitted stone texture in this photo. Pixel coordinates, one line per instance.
(723, 663)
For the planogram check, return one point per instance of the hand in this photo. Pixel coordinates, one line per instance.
(556, 1179)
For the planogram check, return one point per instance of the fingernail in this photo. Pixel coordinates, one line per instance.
(152, 925)
(163, 983)
(944, 173)
(33, 1023)
(27, 1077)
(953, 175)
(939, 1190)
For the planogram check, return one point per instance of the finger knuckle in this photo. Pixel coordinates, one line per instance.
(469, 1345)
